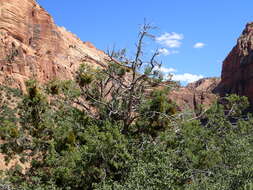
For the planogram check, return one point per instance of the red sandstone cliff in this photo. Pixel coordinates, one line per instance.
(31, 45)
(237, 70)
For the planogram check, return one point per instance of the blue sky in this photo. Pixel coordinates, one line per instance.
(212, 26)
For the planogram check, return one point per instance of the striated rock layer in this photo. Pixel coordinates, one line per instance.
(32, 46)
(237, 70)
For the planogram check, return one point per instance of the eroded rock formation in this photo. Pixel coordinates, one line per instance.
(32, 46)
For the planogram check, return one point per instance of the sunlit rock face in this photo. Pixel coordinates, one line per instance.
(32, 46)
(237, 70)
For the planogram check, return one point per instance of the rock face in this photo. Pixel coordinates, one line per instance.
(32, 46)
(237, 70)
(196, 94)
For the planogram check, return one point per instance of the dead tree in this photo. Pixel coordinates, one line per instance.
(122, 86)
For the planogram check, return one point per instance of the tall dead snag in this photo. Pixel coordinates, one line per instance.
(119, 89)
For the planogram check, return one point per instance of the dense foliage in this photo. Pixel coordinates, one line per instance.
(102, 131)
(68, 149)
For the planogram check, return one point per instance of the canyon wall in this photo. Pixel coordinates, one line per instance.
(32, 46)
(237, 69)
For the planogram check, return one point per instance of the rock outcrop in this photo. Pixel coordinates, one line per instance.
(32, 46)
(237, 70)
(196, 94)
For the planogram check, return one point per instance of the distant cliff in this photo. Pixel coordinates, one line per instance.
(196, 94)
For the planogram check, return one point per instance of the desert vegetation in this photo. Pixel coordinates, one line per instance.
(115, 127)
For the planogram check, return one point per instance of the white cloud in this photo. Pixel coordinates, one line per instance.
(171, 40)
(165, 52)
(186, 77)
(166, 70)
(199, 45)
